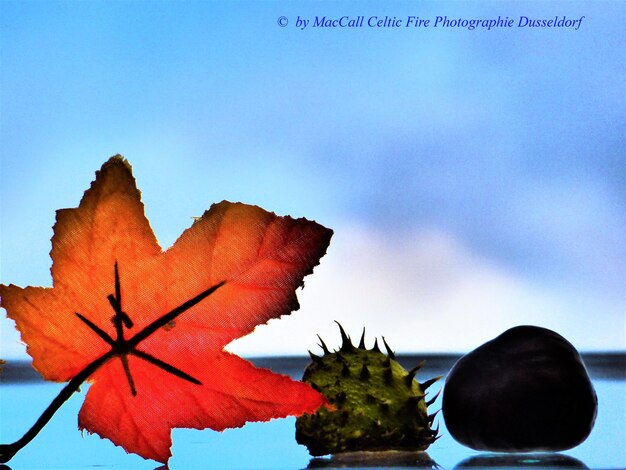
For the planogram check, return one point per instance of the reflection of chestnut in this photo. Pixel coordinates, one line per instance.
(551, 460)
(375, 459)
(526, 390)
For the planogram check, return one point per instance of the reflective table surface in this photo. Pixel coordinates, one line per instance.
(24, 395)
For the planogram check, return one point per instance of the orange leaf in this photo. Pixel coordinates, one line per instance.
(158, 321)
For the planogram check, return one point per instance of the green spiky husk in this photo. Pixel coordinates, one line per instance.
(375, 403)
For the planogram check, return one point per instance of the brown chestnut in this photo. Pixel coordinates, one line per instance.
(526, 390)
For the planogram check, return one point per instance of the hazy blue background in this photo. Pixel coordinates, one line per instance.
(475, 180)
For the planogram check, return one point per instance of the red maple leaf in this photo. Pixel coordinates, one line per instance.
(147, 327)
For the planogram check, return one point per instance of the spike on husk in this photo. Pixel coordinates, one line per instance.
(377, 404)
(414, 400)
(432, 400)
(431, 417)
(323, 345)
(390, 353)
(362, 342)
(315, 358)
(346, 343)
(429, 382)
(412, 373)
(365, 373)
(388, 375)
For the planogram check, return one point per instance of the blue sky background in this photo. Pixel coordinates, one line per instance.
(475, 180)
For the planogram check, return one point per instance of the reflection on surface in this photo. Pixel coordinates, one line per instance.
(383, 459)
(521, 460)
(22, 400)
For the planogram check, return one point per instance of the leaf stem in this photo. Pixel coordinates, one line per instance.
(7, 451)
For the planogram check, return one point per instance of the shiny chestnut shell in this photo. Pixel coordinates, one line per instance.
(526, 390)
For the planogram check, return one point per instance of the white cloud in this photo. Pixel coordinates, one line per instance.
(425, 292)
